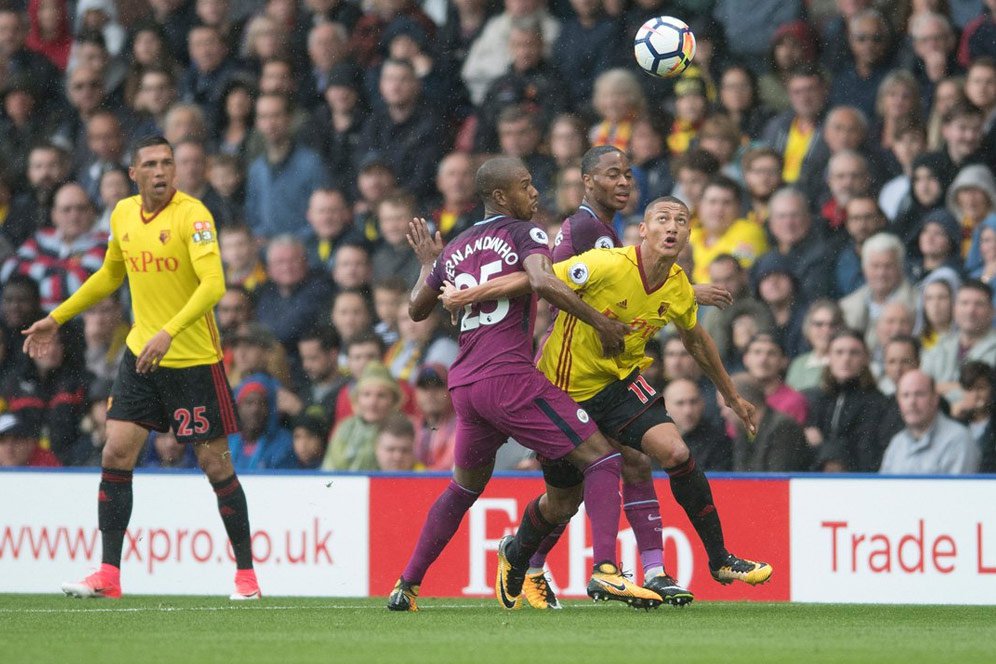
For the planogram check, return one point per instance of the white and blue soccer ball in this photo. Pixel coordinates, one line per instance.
(664, 46)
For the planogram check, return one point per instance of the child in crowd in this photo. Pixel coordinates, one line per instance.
(352, 445)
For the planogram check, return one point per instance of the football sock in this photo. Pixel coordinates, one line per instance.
(532, 531)
(644, 515)
(601, 501)
(235, 515)
(113, 512)
(441, 523)
(691, 489)
(539, 558)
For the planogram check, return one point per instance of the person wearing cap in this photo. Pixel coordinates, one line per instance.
(778, 289)
(19, 446)
(971, 198)
(435, 436)
(883, 261)
(375, 397)
(691, 106)
(262, 441)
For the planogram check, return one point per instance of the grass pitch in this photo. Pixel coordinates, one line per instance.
(42, 629)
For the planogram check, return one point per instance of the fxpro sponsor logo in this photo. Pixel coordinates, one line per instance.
(894, 540)
(304, 543)
(146, 261)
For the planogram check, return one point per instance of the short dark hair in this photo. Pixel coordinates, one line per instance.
(807, 70)
(728, 258)
(148, 142)
(325, 335)
(961, 109)
(972, 371)
(394, 283)
(724, 182)
(976, 285)
(397, 62)
(589, 162)
(666, 199)
(516, 113)
(907, 339)
(366, 337)
(765, 337)
(397, 424)
(696, 159)
(95, 37)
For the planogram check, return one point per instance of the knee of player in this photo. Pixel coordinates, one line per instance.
(664, 444)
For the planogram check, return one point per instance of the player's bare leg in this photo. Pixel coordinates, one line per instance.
(215, 460)
(114, 500)
(440, 525)
(691, 489)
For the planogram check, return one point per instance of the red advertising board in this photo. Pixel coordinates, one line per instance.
(755, 515)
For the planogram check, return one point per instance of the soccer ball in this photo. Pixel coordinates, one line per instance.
(664, 46)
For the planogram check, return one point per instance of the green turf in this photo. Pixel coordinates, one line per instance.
(42, 629)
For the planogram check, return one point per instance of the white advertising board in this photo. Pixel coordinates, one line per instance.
(909, 541)
(310, 534)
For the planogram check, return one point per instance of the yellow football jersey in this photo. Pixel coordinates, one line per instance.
(612, 281)
(166, 256)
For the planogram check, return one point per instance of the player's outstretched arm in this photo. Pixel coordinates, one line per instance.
(508, 286)
(712, 295)
(427, 249)
(701, 346)
(545, 283)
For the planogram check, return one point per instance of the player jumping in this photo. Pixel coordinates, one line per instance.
(643, 287)
(497, 392)
(171, 373)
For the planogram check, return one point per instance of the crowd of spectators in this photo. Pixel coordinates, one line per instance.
(837, 158)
